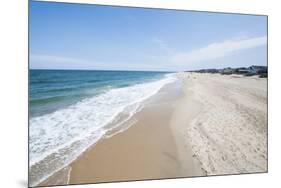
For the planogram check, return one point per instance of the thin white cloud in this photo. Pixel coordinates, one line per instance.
(172, 59)
(217, 50)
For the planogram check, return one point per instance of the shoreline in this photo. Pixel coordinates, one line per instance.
(153, 150)
(168, 139)
(60, 137)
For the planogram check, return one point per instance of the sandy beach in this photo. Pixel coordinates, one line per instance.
(212, 125)
(229, 134)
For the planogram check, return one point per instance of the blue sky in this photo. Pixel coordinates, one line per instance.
(75, 36)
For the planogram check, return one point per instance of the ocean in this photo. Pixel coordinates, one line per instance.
(70, 110)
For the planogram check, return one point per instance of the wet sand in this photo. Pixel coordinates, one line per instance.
(147, 150)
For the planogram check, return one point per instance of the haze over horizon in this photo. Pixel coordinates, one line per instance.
(92, 37)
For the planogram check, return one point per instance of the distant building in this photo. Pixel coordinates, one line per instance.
(227, 70)
(258, 69)
(261, 71)
(242, 70)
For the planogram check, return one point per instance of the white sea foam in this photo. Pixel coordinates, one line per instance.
(58, 138)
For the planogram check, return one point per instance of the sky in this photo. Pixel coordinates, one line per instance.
(93, 37)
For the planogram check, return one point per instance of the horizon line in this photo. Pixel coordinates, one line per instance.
(100, 70)
(138, 70)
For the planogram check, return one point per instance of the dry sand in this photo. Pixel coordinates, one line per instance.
(218, 125)
(229, 135)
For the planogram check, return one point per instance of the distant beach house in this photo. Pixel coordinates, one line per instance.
(247, 71)
(242, 70)
(227, 70)
(258, 69)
